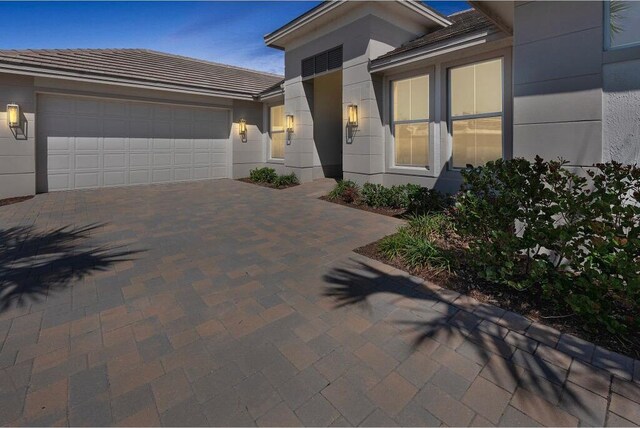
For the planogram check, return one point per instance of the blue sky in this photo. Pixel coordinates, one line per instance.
(226, 32)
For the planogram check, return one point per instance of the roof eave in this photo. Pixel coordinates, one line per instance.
(272, 38)
(468, 40)
(108, 80)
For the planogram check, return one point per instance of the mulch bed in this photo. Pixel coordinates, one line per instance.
(269, 185)
(9, 201)
(390, 212)
(526, 303)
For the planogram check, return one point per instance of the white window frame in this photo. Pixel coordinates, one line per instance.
(270, 132)
(450, 118)
(607, 33)
(391, 164)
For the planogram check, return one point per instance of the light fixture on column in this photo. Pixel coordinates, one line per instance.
(289, 127)
(352, 122)
(242, 128)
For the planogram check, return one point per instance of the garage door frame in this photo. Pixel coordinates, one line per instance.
(107, 97)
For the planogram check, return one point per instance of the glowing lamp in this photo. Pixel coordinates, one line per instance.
(352, 113)
(13, 115)
(289, 123)
(242, 127)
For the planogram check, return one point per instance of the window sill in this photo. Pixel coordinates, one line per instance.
(276, 161)
(410, 170)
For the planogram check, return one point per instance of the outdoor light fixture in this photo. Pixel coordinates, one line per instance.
(242, 127)
(289, 127)
(352, 113)
(352, 122)
(13, 115)
(290, 123)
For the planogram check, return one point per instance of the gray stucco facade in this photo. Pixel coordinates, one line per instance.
(564, 93)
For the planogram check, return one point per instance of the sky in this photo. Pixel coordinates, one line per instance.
(220, 31)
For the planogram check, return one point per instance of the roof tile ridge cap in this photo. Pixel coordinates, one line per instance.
(204, 61)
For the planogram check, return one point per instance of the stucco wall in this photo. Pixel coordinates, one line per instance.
(362, 39)
(621, 112)
(557, 69)
(251, 153)
(17, 161)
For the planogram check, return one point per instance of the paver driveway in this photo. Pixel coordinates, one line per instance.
(224, 303)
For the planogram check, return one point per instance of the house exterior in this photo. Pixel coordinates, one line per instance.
(385, 92)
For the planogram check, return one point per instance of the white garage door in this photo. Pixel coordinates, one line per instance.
(91, 142)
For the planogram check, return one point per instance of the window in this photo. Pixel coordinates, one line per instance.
(276, 114)
(411, 121)
(475, 94)
(622, 23)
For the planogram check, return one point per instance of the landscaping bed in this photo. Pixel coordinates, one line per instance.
(267, 177)
(530, 237)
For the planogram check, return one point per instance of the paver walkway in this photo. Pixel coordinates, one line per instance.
(224, 303)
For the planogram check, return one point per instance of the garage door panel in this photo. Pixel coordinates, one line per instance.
(218, 159)
(87, 143)
(161, 144)
(85, 161)
(59, 182)
(182, 159)
(200, 172)
(115, 160)
(87, 107)
(218, 172)
(162, 129)
(139, 159)
(58, 162)
(114, 178)
(139, 144)
(87, 180)
(183, 144)
(141, 176)
(58, 143)
(98, 142)
(182, 174)
(161, 175)
(162, 159)
(114, 144)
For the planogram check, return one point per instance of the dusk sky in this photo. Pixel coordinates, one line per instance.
(225, 32)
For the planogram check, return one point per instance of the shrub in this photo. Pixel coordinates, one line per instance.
(376, 195)
(263, 175)
(345, 190)
(422, 200)
(417, 251)
(286, 180)
(574, 240)
(429, 225)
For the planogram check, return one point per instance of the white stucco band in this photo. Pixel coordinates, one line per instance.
(621, 120)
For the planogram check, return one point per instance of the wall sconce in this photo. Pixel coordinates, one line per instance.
(242, 128)
(352, 115)
(13, 115)
(289, 127)
(352, 122)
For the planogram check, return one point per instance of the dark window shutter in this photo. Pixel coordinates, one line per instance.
(308, 67)
(322, 62)
(335, 58)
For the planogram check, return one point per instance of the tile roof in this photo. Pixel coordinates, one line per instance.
(464, 22)
(144, 66)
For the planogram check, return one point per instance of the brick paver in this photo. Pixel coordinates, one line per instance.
(224, 303)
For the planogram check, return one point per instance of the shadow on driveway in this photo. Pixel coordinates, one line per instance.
(34, 263)
(510, 366)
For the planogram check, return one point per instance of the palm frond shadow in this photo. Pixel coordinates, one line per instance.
(34, 264)
(361, 284)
